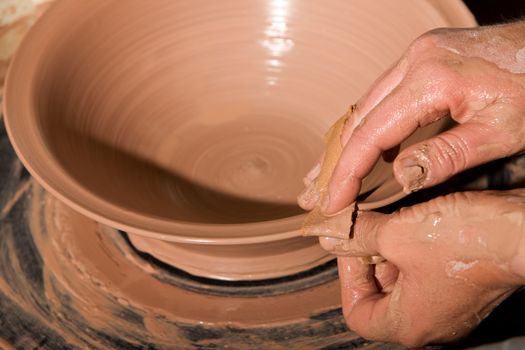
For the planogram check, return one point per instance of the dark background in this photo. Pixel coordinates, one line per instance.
(490, 11)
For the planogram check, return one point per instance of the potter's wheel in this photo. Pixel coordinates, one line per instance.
(67, 282)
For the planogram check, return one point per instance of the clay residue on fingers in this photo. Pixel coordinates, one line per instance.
(412, 178)
(412, 172)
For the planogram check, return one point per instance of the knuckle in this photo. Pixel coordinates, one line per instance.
(355, 326)
(443, 156)
(424, 42)
(450, 153)
(455, 202)
(427, 54)
(411, 214)
(443, 203)
(442, 70)
(370, 230)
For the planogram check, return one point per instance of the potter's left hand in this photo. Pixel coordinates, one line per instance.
(450, 261)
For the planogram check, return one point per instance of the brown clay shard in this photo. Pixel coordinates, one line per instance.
(339, 224)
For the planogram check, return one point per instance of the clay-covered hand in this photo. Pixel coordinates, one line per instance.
(475, 75)
(450, 261)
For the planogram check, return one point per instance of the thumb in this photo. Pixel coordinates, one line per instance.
(367, 235)
(433, 161)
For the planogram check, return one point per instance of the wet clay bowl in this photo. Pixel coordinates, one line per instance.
(190, 123)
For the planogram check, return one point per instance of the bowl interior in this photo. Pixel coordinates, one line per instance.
(193, 111)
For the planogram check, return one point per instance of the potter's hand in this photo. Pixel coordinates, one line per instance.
(475, 75)
(450, 261)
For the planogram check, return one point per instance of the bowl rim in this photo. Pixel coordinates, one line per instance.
(18, 112)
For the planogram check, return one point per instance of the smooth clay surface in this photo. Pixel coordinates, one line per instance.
(193, 121)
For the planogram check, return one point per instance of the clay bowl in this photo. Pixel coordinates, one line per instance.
(189, 124)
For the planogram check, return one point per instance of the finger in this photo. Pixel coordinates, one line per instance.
(357, 281)
(367, 231)
(365, 309)
(313, 174)
(386, 276)
(435, 160)
(309, 197)
(386, 126)
(383, 86)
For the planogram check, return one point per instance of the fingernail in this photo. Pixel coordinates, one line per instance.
(312, 175)
(309, 197)
(412, 175)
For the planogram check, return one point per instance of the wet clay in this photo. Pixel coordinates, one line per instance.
(193, 122)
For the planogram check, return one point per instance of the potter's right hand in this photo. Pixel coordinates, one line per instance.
(475, 75)
(450, 261)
